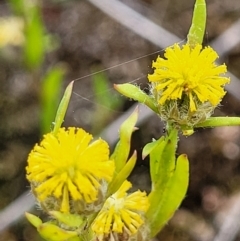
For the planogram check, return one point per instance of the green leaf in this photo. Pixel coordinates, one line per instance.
(155, 160)
(169, 180)
(197, 29)
(71, 220)
(122, 149)
(52, 232)
(162, 165)
(122, 175)
(34, 220)
(62, 109)
(50, 93)
(172, 196)
(134, 92)
(166, 164)
(148, 148)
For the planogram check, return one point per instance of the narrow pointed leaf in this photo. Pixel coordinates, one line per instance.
(123, 174)
(71, 220)
(197, 29)
(148, 148)
(167, 163)
(155, 159)
(34, 220)
(62, 109)
(121, 152)
(134, 92)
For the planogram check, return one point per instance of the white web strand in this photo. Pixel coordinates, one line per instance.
(143, 75)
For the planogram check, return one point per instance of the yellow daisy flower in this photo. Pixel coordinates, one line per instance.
(121, 213)
(190, 73)
(67, 167)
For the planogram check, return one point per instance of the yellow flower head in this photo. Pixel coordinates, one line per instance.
(190, 72)
(122, 214)
(68, 168)
(189, 76)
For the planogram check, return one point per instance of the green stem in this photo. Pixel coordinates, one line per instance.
(220, 121)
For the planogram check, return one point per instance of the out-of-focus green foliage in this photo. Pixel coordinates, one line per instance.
(34, 44)
(33, 49)
(18, 6)
(104, 100)
(100, 89)
(50, 95)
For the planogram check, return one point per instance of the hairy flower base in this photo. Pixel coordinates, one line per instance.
(67, 170)
(177, 111)
(189, 76)
(121, 214)
(141, 235)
